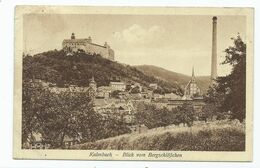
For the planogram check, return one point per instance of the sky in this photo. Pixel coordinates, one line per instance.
(173, 42)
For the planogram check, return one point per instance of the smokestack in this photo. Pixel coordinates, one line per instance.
(214, 50)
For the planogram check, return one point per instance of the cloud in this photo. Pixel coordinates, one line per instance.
(137, 34)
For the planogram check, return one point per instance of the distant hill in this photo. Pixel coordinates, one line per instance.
(173, 77)
(55, 66)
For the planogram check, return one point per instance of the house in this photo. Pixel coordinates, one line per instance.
(157, 96)
(154, 86)
(137, 85)
(69, 141)
(121, 86)
(119, 108)
(103, 91)
(136, 96)
(171, 96)
(197, 104)
(35, 141)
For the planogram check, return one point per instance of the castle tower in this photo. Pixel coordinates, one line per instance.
(106, 45)
(73, 36)
(214, 50)
(89, 39)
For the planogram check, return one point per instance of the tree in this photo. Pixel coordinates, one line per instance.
(112, 126)
(56, 116)
(135, 90)
(166, 117)
(208, 112)
(115, 93)
(153, 117)
(233, 86)
(31, 101)
(214, 101)
(159, 91)
(185, 114)
(145, 115)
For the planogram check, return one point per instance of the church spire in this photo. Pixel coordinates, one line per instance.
(192, 71)
(92, 83)
(193, 76)
(92, 79)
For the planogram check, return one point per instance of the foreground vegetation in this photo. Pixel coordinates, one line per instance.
(56, 116)
(214, 136)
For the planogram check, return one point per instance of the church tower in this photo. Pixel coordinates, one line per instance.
(192, 89)
(214, 50)
(193, 76)
(93, 84)
(92, 89)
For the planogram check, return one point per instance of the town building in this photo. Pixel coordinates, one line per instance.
(154, 86)
(119, 108)
(92, 89)
(103, 92)
(86, 45)
(171, 96)
(36, 141)
(121, 86)
(75, 88)
(197, 104)
(138, 86)
(157, 96)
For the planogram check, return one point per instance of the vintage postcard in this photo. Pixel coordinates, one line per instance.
(133, 83)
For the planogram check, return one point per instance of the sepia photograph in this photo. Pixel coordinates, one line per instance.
(133, 83)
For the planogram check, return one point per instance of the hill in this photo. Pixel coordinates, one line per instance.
(214, 136)
(173, 77)
(55, 66)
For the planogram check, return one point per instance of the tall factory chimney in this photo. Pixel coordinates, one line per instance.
(214, 50)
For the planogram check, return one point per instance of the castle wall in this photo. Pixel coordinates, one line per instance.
(94, 48)
(88, 47)
(74, 43)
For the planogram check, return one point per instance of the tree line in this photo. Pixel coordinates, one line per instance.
(152, 116)
(67, 114)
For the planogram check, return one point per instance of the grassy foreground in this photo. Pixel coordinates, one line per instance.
(214, 136)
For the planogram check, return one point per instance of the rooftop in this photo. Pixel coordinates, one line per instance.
(117, 83)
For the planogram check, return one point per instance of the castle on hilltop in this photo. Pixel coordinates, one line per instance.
(86, 45)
